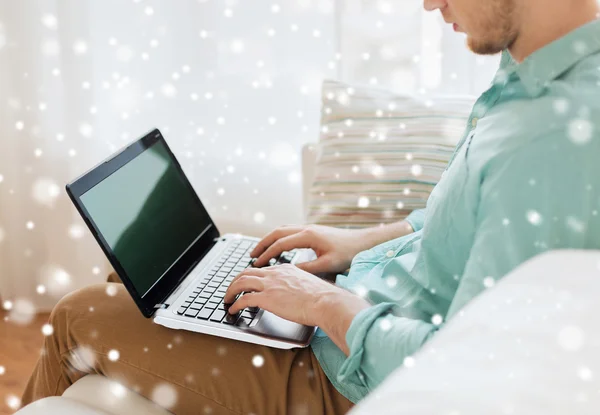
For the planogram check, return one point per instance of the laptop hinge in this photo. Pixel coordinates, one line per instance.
(160, 306)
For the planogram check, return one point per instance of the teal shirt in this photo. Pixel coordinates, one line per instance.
(524, 179)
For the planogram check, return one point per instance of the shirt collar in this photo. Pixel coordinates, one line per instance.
(554, 59)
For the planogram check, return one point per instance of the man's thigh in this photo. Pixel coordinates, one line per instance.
(195, 372)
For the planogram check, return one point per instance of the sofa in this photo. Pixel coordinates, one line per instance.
(527, 346)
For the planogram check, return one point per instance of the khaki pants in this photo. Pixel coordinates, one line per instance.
(189, 373)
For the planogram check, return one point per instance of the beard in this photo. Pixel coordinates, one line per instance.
(498, 28)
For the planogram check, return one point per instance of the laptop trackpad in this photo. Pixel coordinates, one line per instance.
(271, 325)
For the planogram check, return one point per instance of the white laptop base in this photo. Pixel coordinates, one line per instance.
(266, 328)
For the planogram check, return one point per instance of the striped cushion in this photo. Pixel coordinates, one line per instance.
(380, 154)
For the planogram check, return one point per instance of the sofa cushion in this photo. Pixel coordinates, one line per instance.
(528, 345)
(109, 396)
(56, 405)
(380, 154)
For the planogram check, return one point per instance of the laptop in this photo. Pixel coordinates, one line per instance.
(161, 241)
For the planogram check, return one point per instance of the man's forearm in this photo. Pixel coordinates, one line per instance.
(336, 311)
(380, 234)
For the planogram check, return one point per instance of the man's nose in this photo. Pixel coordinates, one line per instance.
(431, 5)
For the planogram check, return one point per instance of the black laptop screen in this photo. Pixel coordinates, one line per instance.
(147, 214)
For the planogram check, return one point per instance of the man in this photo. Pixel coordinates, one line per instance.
(524, 179)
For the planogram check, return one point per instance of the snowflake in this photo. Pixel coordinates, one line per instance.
(113, 355)
(571, 338)
(80, 47)
(377, 170)
(294, 177)
(124, 53)
(409, 361)
(50, 21)
(165, 395)
(169, 90)
(488, 282)
(50, 47)
(391, 281)
(580, 131)
(76, 231)
(534, 217)
(575, 224)
(363, 202)
(258, 360)
(47, 330)
(360, 290)
(580, 47)
(45, 191)
(13, 402)
(22, 311)
(237, 46)
(561, 105)
(117, 389)
(416, 170)
(111, 290)
(585, 373)
(385, 324)
(437, 319)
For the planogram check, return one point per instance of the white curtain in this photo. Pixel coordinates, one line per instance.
(398, 45)
(233, 85)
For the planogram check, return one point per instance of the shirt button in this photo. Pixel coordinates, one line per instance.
(390, 254)
(474, 121)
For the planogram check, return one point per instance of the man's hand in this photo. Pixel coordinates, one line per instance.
(334, 247)
(293, 294)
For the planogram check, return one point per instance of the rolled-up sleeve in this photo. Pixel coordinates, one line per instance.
(379, 342)
(536, 197)
(416, 219)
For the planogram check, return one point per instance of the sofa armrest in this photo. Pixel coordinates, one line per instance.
(528, 345)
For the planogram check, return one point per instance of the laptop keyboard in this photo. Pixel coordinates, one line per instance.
(206, 300)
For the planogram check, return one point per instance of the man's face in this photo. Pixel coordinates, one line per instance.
(491, 25)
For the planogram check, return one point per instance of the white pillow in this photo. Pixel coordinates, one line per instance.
(380, 154)
(530, 345)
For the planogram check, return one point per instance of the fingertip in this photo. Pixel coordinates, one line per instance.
(259, 262)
